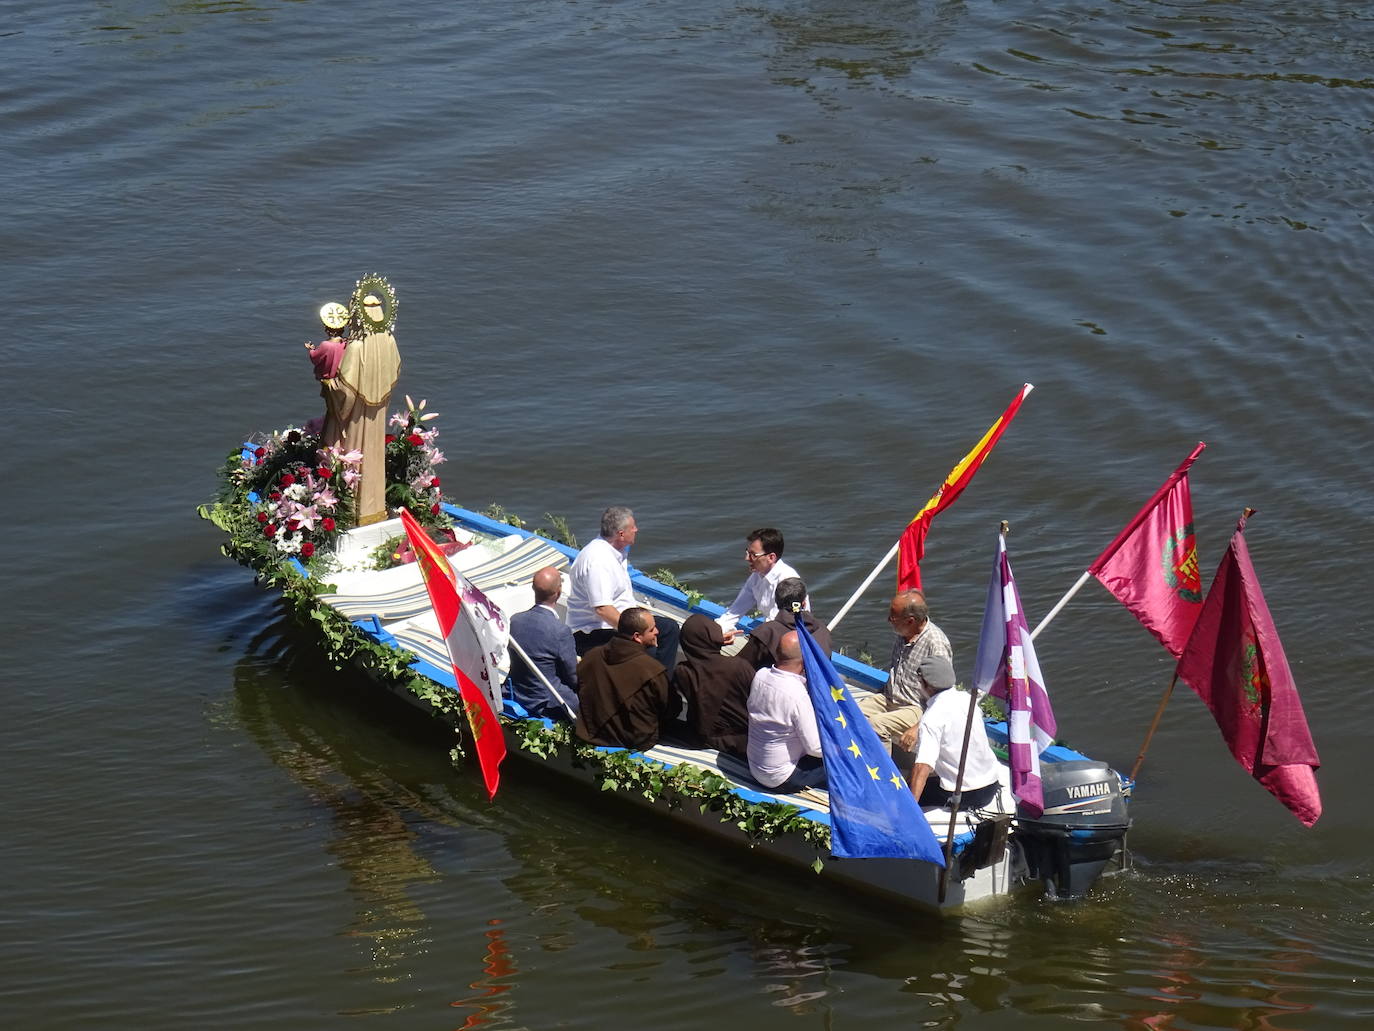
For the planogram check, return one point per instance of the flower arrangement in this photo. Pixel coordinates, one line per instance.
(285, 496)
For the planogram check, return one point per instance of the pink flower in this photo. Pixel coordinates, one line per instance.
(306, 517)
(326, 498)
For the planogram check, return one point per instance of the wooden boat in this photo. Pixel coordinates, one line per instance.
(381, 620)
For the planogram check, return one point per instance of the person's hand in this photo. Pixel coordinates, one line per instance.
(907, 742)
(729, 635)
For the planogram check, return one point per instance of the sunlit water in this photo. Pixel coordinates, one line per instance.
(734, 266)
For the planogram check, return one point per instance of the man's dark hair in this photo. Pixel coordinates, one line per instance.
(770, 540)
(790, 591)
(635, 620)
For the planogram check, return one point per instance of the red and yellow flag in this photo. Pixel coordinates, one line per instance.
(912, 546)
(467, 649)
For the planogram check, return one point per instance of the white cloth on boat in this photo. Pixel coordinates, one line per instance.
(757, 593)
(940, 739)
(600, 576)
(782, 725)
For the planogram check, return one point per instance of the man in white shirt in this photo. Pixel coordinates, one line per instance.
(763, 552)
(940, 741)
(599, 589)
(784, 743)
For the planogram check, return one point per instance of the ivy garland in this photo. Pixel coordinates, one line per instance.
(633, 773)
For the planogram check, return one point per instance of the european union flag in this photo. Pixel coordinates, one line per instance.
(872, 810)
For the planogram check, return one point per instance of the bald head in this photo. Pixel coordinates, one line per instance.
(789, 652)
(548, 585)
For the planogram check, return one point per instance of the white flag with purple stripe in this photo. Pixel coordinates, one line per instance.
(1008, 669)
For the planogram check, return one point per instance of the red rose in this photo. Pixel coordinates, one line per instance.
(287, 479)
(259, 452)
(434, 482)
(269, 530)
(324, 472)
(294, 437)
(257, 461)
(275, 495)
(291, 525)
(307, 549)
(262, 517)
(434, 509)
(415, 440)
(391, 438)
(327, 524)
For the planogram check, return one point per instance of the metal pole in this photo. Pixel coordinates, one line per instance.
(515, 647)
(1060, 604)
(864, 586)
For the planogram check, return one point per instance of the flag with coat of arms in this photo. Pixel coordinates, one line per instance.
(1007, 668)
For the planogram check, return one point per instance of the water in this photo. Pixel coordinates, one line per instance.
(735, 266)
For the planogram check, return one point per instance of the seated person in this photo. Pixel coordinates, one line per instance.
(763, 552)
(784, 743)
(897, 711)
(762, 647)
(599, 588)
(622, 689)
(542, 635)
(715, 686)
(939, 742)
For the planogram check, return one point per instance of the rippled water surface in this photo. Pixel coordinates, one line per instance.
(735, 266)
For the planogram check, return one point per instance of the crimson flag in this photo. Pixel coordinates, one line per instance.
(911, 548)
(1152, 565)
(1235, 662)
(460, 628)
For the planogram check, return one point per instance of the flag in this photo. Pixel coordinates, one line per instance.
(912, 545)
(872, 810)
(1007, 668)
(1235, 662)
(474, 630)
(1152, 565)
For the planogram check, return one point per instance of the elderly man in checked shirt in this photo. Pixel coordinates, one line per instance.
(897, 711)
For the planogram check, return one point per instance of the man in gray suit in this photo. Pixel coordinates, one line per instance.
(548, 642)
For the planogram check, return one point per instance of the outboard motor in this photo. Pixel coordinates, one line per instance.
(1084, 825)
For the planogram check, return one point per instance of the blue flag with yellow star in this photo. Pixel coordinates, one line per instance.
(872, 810)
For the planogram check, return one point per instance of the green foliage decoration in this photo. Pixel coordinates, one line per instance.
(675, 786)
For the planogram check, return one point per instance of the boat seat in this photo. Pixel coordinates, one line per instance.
(400, 593)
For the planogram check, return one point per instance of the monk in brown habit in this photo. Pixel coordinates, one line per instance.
(623, 690)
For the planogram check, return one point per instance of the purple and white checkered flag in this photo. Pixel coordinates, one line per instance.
(1007, 668)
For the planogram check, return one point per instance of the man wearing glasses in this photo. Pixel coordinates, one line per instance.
(767, 569)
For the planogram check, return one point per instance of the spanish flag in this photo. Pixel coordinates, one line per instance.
(472, 638)
(912, 546)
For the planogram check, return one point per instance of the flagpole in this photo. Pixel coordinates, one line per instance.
(877, 570)
(515, 647)
(1149, 734)
(1060, 604)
